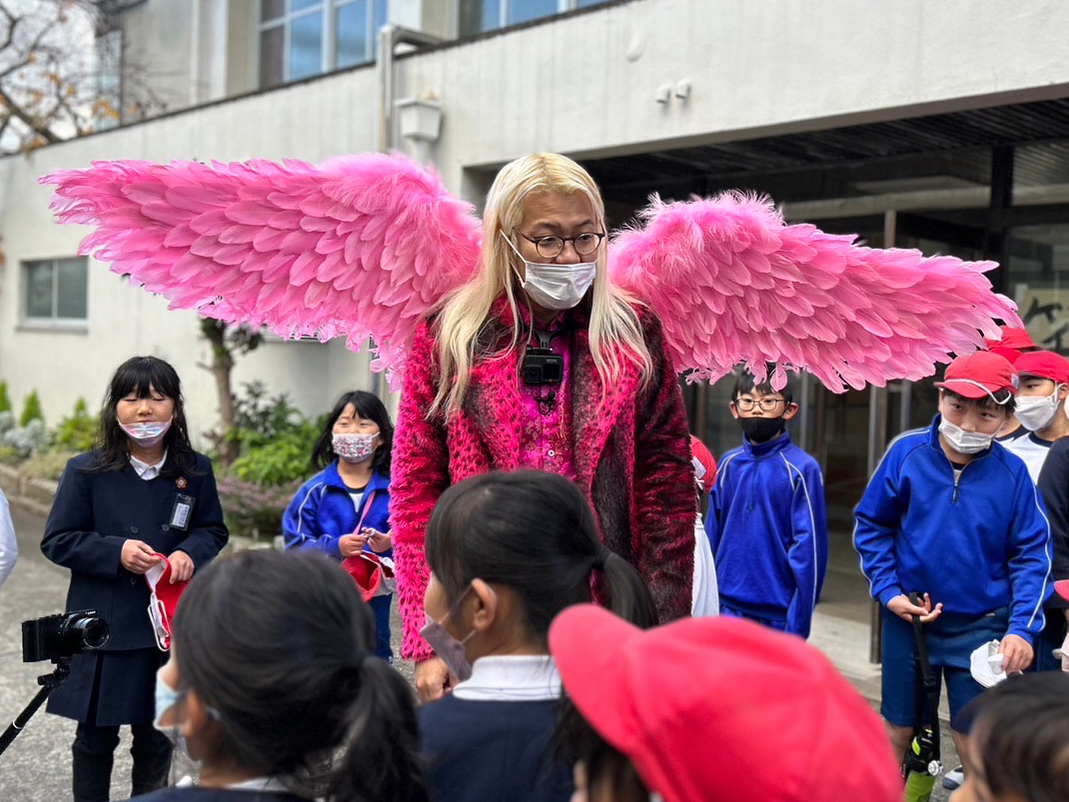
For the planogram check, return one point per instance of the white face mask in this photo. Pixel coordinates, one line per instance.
(556, 286)
(1036, 413)
(147, 434)
(962, 441)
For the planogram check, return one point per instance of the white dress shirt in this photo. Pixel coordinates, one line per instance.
(145, 470)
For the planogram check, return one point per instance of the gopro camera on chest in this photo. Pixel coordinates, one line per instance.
(542, 366)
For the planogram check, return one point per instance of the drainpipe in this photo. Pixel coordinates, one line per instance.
(390, 36)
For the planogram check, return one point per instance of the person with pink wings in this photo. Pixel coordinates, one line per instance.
(531, 340)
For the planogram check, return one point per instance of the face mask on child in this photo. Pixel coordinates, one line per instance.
(166, 699)
(1036, 413)
(146, 434)
(962, 441)
(449, 649)
(761, 430)
(353, 447)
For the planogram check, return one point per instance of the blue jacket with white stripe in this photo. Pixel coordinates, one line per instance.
(323, 511)
(769, 532)
(975, 541)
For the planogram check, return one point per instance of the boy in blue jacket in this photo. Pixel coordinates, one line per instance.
(953, 516)
(766, 524)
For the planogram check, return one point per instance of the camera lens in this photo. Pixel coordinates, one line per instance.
(87, 632)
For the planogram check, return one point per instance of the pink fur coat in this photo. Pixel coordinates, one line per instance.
(632, 461)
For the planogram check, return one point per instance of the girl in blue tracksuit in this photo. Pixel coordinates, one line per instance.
(351, 492)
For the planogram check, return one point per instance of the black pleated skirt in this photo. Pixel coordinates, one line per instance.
(110, 688)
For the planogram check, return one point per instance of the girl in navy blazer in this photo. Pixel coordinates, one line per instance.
(273, 688)
(508, 552)
(345, 508)
(142, 491)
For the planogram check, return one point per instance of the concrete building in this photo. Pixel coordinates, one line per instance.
(942, 126)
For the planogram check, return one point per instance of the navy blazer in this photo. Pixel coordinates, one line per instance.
(94, 513)
(492, 751)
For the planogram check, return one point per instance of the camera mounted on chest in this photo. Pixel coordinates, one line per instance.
(541, 366)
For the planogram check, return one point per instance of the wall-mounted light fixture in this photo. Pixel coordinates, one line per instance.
(419, 118)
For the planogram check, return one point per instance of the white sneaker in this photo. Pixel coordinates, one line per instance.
(952, 780)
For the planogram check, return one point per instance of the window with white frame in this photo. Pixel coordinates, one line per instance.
(301, 38)
(477, 16)
(56, 290)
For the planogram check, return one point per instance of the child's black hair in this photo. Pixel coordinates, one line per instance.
(279, 645)
(535, 533)
(1021, 729)
(368, 406)
(1004, 400)
(138, 375)
(744, 383)
(603, 761)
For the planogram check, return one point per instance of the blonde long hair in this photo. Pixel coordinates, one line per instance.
(615, 332)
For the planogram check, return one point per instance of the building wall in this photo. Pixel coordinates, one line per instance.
(584, 84)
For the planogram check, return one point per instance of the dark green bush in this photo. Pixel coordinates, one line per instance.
(31, 409)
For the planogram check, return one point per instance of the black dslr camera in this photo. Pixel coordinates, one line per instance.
(542, 366)
(63, 635)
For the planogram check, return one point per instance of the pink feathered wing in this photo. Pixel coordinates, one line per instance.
(361, 246)
(732, 283)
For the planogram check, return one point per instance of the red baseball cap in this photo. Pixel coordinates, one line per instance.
(978, 374)
(722, 708)
(1044, 364)
(1012, 337)
(1062, 587)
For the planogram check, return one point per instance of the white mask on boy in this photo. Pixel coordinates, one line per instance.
(962, 441)
(1036, 412)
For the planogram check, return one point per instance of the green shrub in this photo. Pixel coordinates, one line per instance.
(77, 432)
(5, 399)
(31, 409)
(280, 460)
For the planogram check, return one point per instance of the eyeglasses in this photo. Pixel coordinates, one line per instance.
(767, 404)
(551, 247)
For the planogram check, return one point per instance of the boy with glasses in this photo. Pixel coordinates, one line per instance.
(766, 523)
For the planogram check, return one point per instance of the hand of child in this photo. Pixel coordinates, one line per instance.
(351, 545)
(181, 566)
(1065, 653)
(1016, 654)
(137, 556)
(380, 541)
(902, 607)
(432, 679)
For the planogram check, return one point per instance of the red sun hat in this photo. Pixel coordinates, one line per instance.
(1062, 588)
(163, 600)
(1045, 365)
(722, 708)
(1012, 337)
(979, 374)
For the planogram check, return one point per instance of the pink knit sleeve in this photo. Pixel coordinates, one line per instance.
(419, 474)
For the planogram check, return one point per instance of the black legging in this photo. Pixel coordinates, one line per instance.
(94, 755)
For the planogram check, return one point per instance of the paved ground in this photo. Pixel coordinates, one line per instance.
(36, 768)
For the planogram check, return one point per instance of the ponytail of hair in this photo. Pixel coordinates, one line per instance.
(627, 594)
(382, 759)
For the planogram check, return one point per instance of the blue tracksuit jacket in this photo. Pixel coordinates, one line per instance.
(322, 511)
(975, 542)
(769, 531)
